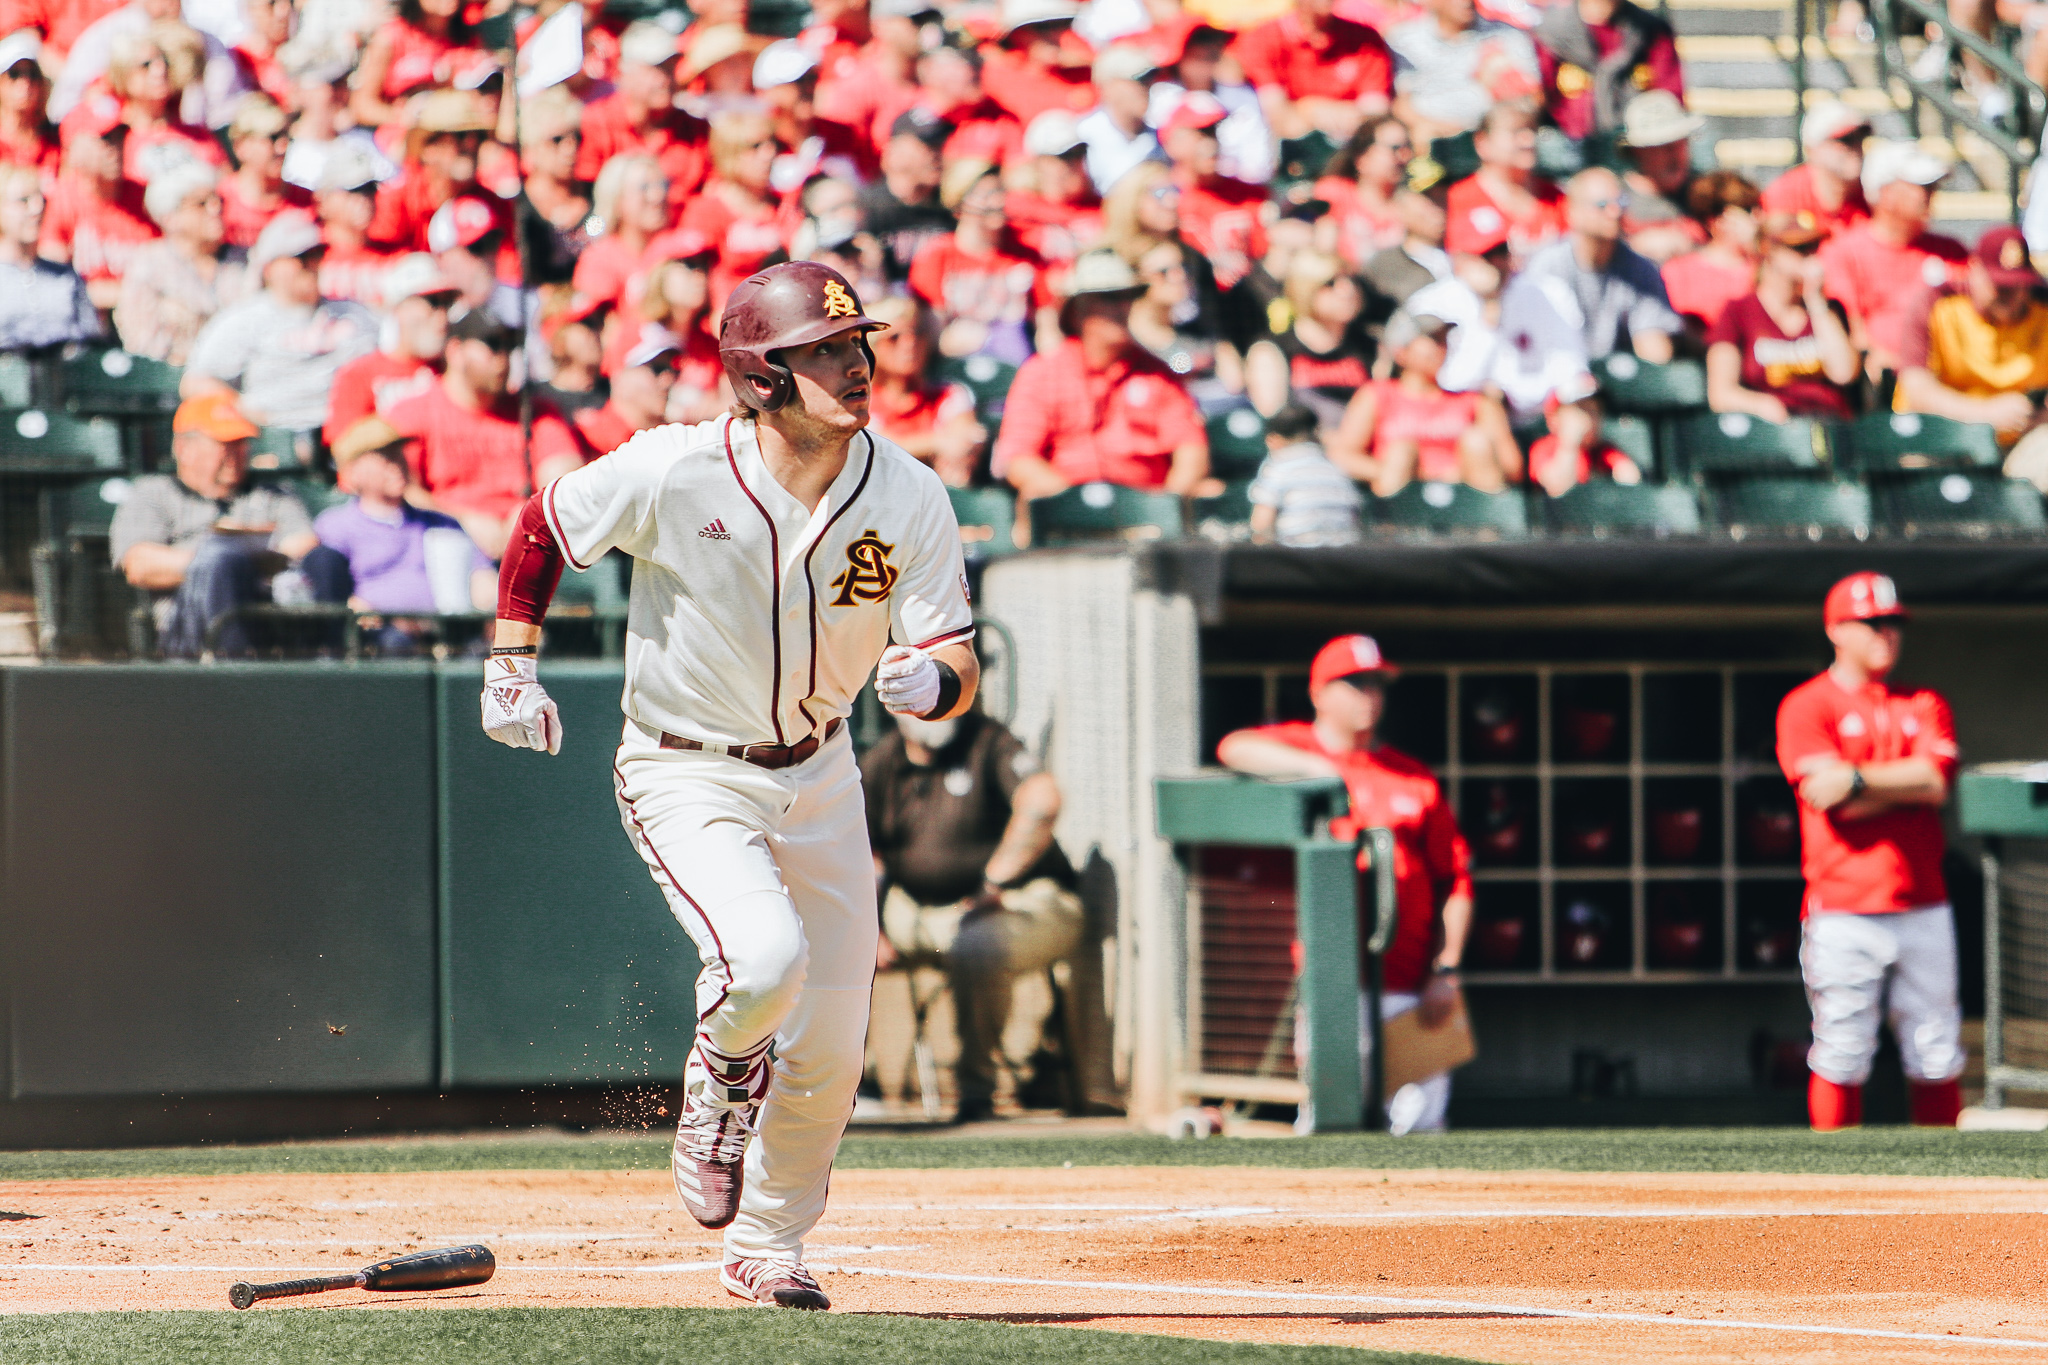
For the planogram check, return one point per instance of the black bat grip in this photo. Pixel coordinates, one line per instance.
(243, 1295)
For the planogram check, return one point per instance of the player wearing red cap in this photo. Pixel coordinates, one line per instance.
(1347, 685)
(1873, 761)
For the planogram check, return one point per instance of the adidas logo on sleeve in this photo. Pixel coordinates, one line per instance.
(715, 531)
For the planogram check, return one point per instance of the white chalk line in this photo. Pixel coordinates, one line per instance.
(1436, 1305)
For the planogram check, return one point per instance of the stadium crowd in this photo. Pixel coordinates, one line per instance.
(338, 216)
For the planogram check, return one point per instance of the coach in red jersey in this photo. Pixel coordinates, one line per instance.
(1347, 685)
(1873, 762)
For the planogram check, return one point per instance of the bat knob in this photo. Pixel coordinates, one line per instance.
(241, 1295)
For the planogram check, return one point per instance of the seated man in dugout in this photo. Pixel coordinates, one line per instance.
(961, 820)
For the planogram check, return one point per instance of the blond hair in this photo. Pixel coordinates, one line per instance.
(551, 111)
(1121, 230)
(1308, 274)
(184, 49)
(604, 196)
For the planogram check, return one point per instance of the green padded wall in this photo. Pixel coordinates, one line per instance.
(560, 960)
(205, 868)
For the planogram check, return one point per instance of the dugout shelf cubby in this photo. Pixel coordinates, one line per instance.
(1284, 826)
(1628, 821)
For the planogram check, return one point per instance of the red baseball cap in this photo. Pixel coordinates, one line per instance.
(1347, 656)
(462, 221)
(1864, 597)
(1197, 109)
(2002, 251)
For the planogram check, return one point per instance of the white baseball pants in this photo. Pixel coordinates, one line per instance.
(769, 873)
(1900, 967)
(1417, 1107)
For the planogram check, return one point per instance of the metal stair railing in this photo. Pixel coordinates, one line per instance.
(2016, 146)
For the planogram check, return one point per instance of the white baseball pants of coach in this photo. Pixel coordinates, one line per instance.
(1900, 967)
(769, 873)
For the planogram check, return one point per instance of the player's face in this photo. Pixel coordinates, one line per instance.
(1872, 646)
(1355, 703)
(832, 381)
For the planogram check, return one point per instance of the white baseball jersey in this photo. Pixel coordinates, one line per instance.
(752, 620)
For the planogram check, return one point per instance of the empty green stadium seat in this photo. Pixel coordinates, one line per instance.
(279, 448)
(1302, 158)
(1237, 443)
(82, 508)
(40, 441)
(1634, 437)
(1632, 385)
(1231, 507)
(1750, 504)
(988, 520)
(18, 381)
(114, 381)
(1889, 441)
(1456, 154)
(1106, 511)
(987, 378)
(1735, 442)
(316, 493)
(1958, 503)
(1453, 509)
(1603, 507)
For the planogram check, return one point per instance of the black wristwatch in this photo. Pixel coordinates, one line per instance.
(1857, 784)
(1441, 970)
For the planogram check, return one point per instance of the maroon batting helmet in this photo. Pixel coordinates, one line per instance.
(793, 304)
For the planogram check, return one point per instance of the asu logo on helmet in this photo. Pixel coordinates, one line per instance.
(793, 304)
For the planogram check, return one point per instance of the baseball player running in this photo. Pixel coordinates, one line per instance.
(1873, 762)
(778, 551)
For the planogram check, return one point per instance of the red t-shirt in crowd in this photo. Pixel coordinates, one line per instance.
(149, 152)
(1880, 863)
(744, 241)
(245, 221)
(1432, 422)
(356, 273)
(1221, 220)
(1119, 425)
(1793, 194)
(680, 142)
(59, 21)
(1545, 453)
(472, 461)
(370, 383)
(603, 429)
(1474, 221)
(907, 414)
(1773, 362)
(1390, 790)
(1700, 286)
(1025, 91)
(1056, 231)
(420, 60)
(98, 235)
(1340, 61)
(40, 150)
(1361, 231)
(1568, 89)
(1881, 283)
(855, 86)
(1005, 286)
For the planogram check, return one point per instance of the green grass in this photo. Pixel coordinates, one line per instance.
(1870, 1151)
(613, 1336)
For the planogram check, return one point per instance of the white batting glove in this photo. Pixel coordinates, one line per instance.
(517, 709)
(907, 681)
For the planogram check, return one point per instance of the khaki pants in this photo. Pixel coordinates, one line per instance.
(2028, 459)
(983, 955)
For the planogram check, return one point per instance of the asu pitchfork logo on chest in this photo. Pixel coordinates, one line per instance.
(868, 575)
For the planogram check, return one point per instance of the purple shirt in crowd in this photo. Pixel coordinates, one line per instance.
(387, 558)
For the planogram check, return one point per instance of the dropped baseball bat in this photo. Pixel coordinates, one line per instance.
(443, 1268)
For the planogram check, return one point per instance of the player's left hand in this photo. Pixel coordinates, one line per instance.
(907, 681)
(517, 710)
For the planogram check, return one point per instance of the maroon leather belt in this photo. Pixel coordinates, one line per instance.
(772, 756)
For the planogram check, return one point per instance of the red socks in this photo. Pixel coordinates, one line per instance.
(1833, 1107)
(1936, 1104)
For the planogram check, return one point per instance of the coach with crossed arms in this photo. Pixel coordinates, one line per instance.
(778, 551)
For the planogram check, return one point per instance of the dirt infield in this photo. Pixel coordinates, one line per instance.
(1522, 1267)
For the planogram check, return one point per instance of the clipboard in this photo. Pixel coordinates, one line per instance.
(1414, 1052)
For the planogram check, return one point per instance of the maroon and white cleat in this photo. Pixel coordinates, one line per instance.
(721, 1097)
(774, 1284)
